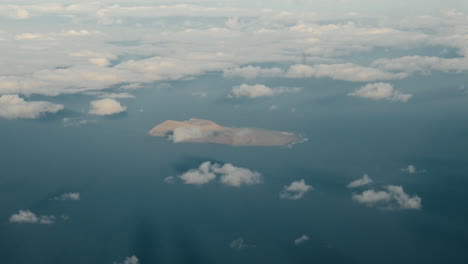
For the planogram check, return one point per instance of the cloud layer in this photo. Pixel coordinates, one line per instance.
(15, 107)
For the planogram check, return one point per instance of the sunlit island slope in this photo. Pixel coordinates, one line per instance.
(206, 131)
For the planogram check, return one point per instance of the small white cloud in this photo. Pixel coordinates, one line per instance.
(380, 91)
(28, 217)
(68, 196)
(393, 197)
(129, 260)
(301, 240)
(296, 190)
(273, 107)
(170, 179)
(361, 182)
(236, 176)
(106, 106)
(47, 219)
(411, 169)
(14, 107)
(259, 90)
(200, 176)
(76, 122)
(182, 134)
(229, 175)
(64, 217)
(239, 244)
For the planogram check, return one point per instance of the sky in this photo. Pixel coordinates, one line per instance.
(377, 90)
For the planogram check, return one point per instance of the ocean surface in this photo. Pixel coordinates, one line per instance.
(126, 207)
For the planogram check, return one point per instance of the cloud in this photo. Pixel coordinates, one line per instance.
(170, 179)
(422, 64)
(239, 244)
(129, 260)
(110, 95)
(411, 169)
(106, 106)
(393, 197)
(236, 176)
(182, 134)
(259, 90)
(296, 190)
(53, 35)
(15, 107)
(380, 91)
(229, 174)
(68, 196)
(28, 217)
(345, 72)
(301, 240)
(200, 176)
(251, 72)
(76, 122)
(361, 182)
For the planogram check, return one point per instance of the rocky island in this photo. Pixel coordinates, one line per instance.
(206, 131)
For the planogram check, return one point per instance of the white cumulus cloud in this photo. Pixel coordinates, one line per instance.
(260, 90)
(361, 182)
(69, 196)
(229, 175)
(380, 91)
(199, 176)
(129, 260)
(239, 244)
(106, 106)
(28, 217)
(301, 240)
(14, 107)
(296, 190)
(236, 176)
(393, 197)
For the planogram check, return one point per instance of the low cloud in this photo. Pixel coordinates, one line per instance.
(251, 72)
(301, 240)
(345, 72)
(380, 91)
(182, 134)
(129, 260)
(68, 196)
(110, 95)
(411, 169)
(236, 176)
(77, 122)
(106, 106)
(259, 90)
(392, 197)
(361, 182)
(229, 175)
(201, 175)
(28, 217)
(239, 244)
(295, 191)
(15, 107)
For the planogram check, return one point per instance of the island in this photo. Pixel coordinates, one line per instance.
(206, 131)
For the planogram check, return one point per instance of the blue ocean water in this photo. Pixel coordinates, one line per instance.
(127, 209)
